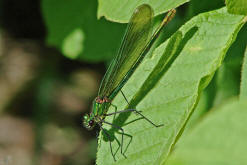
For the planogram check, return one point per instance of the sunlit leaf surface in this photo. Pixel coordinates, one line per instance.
(120, 11)
(219, 139)
(243, 87)
(237, 6)
(172, 98)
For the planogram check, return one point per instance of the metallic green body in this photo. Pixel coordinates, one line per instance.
(136, 43)
(99, 109)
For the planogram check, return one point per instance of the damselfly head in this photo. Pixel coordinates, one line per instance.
(88, 122)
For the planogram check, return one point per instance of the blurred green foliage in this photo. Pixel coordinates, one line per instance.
(73, 28)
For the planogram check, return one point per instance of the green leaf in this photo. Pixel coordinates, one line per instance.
(119, 11)
(228, 76)
(227, 84)
(243, 86)
(237, 6)
(219, 139)
(172, 98)
(200, 110)
(196, 7)
(73, 28)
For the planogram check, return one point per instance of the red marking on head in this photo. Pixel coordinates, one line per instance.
(101, 101)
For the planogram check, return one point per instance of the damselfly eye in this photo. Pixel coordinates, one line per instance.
(91, 122)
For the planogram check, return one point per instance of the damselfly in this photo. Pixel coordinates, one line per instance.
(136, 43)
